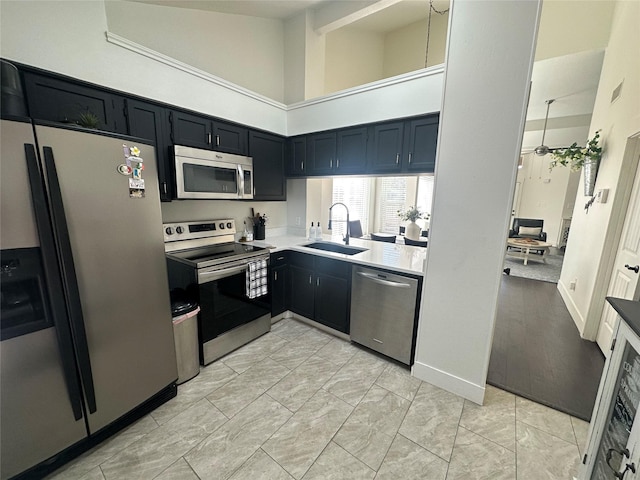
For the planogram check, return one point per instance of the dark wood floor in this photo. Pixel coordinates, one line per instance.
(537, 351)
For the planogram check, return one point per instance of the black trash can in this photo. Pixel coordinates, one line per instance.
(184, 314)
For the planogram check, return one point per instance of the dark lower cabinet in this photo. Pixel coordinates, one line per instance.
(302, 291)
(268, 153)
(320, 289)
(279, 280)
(148, 121)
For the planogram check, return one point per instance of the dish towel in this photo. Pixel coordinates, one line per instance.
(256, 278)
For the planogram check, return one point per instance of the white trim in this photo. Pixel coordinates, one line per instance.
(451, 383)
(578, 319)
(385, 82)
(172, 62)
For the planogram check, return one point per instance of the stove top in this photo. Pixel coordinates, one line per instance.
(208, 243)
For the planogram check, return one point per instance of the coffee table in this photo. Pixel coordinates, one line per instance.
(524, 247)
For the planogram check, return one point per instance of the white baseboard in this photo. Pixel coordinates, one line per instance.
(573, 309)
(449, 382)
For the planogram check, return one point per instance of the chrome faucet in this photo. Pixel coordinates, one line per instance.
(346, 237)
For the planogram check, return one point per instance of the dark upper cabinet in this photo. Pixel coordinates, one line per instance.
(202, 132)
(148, 121)
(351, 150)
(321, 152)
(268, 153)
(385, 155)
(297, 155)
(421, 146)
(64, 101)
(229, 138)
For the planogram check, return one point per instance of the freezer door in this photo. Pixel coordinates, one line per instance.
(40, 400)
(120, 268)
(37, 419)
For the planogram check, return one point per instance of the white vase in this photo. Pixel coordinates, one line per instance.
(412, 231)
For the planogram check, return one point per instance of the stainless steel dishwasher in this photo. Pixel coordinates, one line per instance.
(383, 311)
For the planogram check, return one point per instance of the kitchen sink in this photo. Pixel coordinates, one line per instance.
(335, 247)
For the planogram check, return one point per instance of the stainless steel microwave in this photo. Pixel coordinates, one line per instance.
(205, 174)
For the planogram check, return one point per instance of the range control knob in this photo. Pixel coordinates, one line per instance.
(221, 226)
(169, 230)
(179, 230)
(228, 224)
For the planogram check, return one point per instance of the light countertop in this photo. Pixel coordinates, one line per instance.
(391, 256)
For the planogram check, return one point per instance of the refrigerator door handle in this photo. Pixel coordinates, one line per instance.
(69, 278)
(52, 276)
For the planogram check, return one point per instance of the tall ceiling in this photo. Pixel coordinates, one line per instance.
(570, 79)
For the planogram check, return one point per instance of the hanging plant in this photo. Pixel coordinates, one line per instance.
(575, 157)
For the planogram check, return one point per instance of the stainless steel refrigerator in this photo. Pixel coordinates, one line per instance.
(86, 334)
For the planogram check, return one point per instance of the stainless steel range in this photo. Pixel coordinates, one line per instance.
(207, 266)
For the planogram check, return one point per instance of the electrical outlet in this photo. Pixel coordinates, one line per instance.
(572, 284)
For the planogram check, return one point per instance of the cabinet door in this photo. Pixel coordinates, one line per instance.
(302, 291)
(279, 290)
(321, 152)
(332, 302)
(297, 155)
(386, 151)
(63, 101)
(267, 152)
(229, 138)
(351, 155)
(148, 121)
(421, 149)
(191, 130)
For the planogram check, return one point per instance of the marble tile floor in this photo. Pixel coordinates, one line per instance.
(298, 403)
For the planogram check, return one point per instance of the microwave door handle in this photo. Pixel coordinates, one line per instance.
(241, 181)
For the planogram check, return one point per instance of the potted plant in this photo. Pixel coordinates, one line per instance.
(588, 158)
(412, 230)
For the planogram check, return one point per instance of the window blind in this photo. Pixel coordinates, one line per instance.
(392, 197)
(354, 192)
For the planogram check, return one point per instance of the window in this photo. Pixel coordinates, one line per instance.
(425, 193)
(392, 196)
(355, 193)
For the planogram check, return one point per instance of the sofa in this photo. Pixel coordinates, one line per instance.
(528, 228)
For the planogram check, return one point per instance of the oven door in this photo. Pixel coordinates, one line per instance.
(208, 179)
(224, 304)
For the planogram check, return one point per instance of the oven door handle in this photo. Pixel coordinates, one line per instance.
(204, 277)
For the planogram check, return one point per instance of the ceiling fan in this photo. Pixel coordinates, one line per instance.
(543, 149)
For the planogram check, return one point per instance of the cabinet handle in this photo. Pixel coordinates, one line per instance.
(317, 281)
(337, 163)
(302, 165)
(275, 276)
(331, 163)
(164, 187)
(309, 279)
(397, 158)
(217, 140)
(254, 191)
(409, 158)
(208, 138)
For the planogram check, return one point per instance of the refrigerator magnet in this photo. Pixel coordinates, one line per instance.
(136, 188)
(124, 169)
(137, 171)
(135, 151)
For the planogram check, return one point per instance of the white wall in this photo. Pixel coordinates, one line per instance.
(405, 48)
(406, 95)
(570, 26)
(228, 46)
(297, 206)
(546, 194)
(294, 59)
(68, 37)
(462, 280)
(354, 57)
(592, 239)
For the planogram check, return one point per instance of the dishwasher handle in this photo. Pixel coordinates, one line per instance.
(381, 281)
